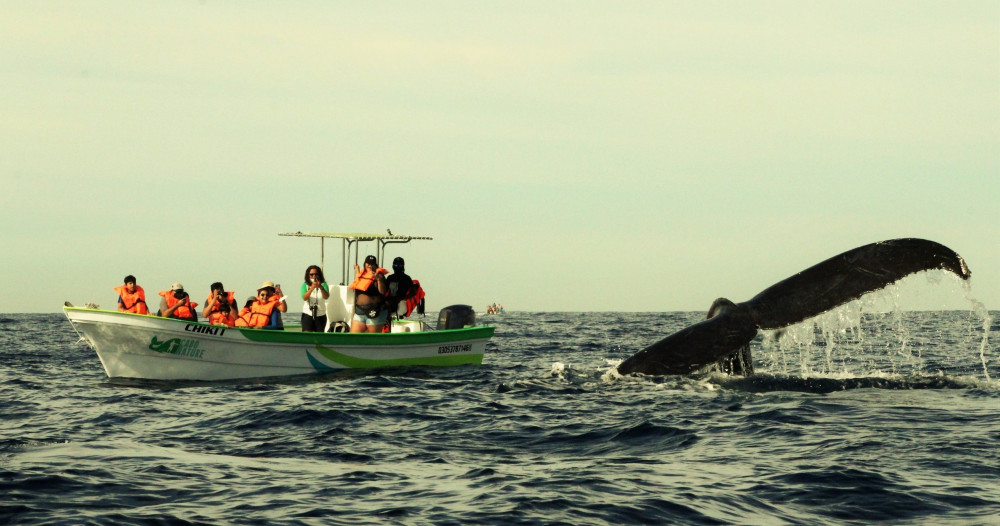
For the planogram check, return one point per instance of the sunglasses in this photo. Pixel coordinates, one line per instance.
(313, 274)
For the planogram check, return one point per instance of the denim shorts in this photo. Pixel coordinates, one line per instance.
(379, 319)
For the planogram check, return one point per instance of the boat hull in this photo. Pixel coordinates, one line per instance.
(150, 347)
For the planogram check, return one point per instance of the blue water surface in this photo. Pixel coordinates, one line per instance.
(891, 418)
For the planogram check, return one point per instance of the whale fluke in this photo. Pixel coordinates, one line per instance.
(849, 276)
(833, 282)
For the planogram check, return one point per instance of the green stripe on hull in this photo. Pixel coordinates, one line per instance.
(352, 362)
(379, 340)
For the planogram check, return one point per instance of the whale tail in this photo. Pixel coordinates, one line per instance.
(740, 362)
(695, 347)
(849, 276)
(838, 280)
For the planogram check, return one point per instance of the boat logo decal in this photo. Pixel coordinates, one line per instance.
(215, 330)
(448, 349)
(177, 346)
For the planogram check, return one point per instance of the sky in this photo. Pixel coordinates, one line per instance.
(564, 155)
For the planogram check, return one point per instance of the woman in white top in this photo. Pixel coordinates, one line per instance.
(315, 292)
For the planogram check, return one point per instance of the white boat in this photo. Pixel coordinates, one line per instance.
(150, 347)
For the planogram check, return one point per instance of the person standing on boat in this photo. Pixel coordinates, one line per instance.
(220, 306)
(399, 286)
(131, 297)
(369, 287)
(315, 292)
(403, 289)
(175, 303)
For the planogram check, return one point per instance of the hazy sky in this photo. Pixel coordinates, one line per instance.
(565, 155)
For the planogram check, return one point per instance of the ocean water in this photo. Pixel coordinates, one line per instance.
(857, 418)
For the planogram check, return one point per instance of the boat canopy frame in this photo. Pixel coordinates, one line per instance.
(350, 244)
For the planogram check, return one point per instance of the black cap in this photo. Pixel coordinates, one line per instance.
(371, 259)
(397, 261)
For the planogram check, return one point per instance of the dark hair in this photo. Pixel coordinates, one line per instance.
(319, 273)
(130, 279)
(218, 286)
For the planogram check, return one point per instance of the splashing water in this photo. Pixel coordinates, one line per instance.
(875, 336)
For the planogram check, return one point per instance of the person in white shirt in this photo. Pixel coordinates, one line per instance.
(315, 292)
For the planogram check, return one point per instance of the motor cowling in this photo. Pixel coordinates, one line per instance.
(456, 317)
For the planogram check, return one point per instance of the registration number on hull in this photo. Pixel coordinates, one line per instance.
(451, 349)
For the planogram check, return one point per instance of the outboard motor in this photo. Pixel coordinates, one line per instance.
(456, 317)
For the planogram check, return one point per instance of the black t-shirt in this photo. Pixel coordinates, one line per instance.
(399, 286)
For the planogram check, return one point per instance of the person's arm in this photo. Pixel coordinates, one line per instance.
(310, 288)
(169, 313)
(208, 306)
(274, 321)
(282, 306)
(325, 289)
(121, 304)
(164, 311)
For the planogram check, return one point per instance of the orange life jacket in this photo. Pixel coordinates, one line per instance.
(134, 302)
(217, 317)
(244, 319)
(220, 318)
(184, 311)
(215, 308)
(260, 313)
(365, 280)
(413, 301)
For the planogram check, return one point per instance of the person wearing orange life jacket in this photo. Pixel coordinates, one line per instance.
(176, 303)
(370, 312)
(220, 306)
(265, 311)
(222, 318)
(278, 298)
(131, 297)
(243, 319)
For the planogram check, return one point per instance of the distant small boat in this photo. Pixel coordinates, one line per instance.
(494, 309)
(149, 347)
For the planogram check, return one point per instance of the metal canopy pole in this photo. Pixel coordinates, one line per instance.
(343, 261)
(349, 240)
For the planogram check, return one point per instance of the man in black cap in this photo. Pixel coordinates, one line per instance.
(399, 285)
